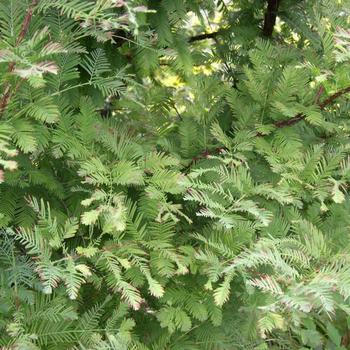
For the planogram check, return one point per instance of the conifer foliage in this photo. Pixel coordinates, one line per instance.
(174, 174)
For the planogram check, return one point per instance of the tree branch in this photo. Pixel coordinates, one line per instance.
(280, 124)
(345, 339)
(204, 155)
(331, 98)
(322, 105)
(319, 94)
(204, 36)
(24, 29)
(26, 22)
(270, 17)
(121, 36)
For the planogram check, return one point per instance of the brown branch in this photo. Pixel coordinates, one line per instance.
(26, 22)
(280, 124)
(24, 29)
(270, 17)
(5, 98)
(204, 36)
(204, 155)
(289, 122)
(322, 105)
(345, 340)
(331, 98)
(121, 36)
(319, 94)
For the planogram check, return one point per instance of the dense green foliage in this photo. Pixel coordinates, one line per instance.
(174, 174)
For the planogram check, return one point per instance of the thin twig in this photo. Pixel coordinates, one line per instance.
(331, 98)
(204, 36)
(123, 37)
(24, 29)
(319, 94)
(280, 124)
(322, 105)
(26, 22)
(204, 155)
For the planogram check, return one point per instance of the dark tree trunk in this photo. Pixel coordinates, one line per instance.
(270, 17)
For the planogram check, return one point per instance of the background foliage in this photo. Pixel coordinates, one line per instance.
(174, 174)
